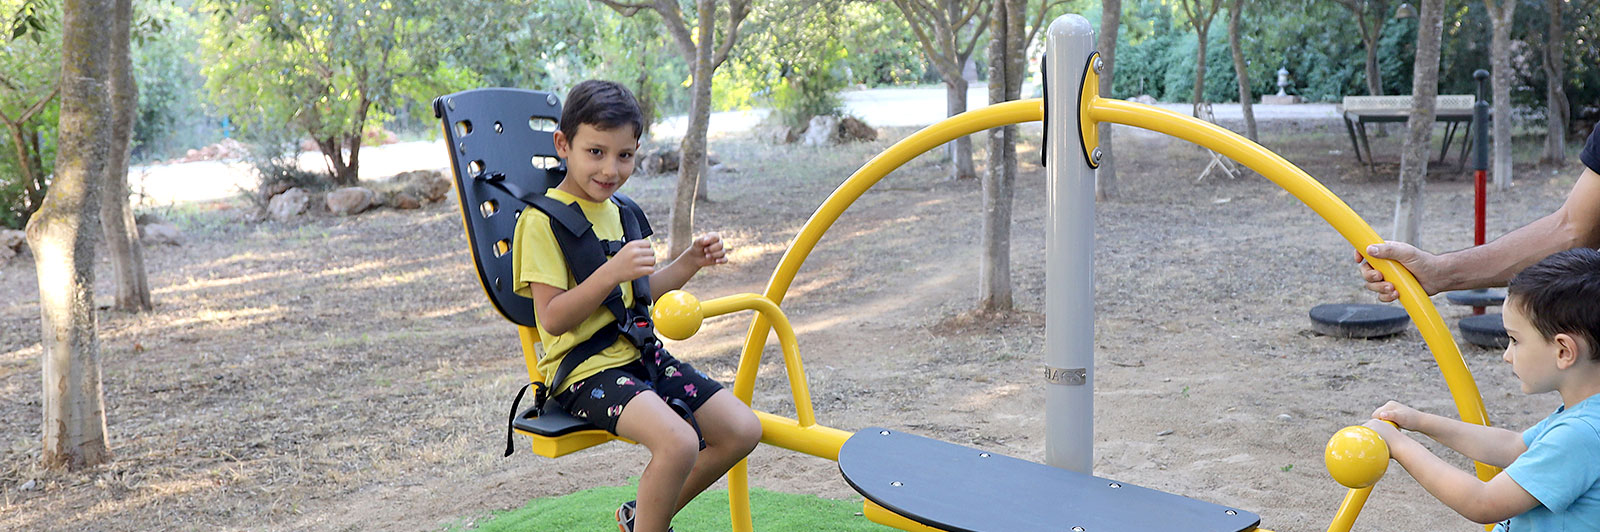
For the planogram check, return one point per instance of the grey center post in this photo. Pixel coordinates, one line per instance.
(1069, 254)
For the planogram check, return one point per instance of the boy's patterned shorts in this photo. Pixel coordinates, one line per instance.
(600, 398)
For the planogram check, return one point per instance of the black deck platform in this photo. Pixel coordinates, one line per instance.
(956, 488)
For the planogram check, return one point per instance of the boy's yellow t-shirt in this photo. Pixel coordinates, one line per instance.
(536, 258)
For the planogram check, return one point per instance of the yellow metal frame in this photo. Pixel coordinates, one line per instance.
(682, 313)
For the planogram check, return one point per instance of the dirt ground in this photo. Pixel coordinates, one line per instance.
(348, 373)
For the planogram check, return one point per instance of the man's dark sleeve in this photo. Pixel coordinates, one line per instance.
(1591, 151)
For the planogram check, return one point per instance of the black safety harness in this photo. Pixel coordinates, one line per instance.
(585, 252)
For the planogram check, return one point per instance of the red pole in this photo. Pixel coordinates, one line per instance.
(1478, 179)
(1478, 206)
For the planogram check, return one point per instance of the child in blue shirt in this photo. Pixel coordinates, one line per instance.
(1551, 481)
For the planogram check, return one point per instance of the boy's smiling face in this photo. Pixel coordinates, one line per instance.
(599, 161)
(1533, 358)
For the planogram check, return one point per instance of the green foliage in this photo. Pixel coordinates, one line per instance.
(173, 115)
(333, 68)
(29, 68)
(791, 59)
(638, 52)
(879, 47)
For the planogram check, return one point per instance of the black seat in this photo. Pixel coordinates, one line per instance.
(499, 134)
(951, 487)
(500, 141)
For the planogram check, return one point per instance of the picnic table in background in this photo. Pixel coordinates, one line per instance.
(1455, 110)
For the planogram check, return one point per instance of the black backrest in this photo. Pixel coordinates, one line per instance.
(491, 133)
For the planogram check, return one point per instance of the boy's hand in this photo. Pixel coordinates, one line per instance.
(707, 250)
(1390, 434)
(1399, 414)
(636, 259)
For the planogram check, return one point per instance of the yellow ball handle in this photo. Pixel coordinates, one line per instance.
(678, 315)
(1357, 457)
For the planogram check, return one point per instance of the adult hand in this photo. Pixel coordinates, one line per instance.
(707, 250)
(636, 259)
(1426, 267)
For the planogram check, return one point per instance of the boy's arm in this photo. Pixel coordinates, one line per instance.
(705, 251)
(1491, 445)
(561, 310)
(1498, 499)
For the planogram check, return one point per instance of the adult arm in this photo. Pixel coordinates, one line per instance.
(1576, 223)
(1498, 499)
(560, 310)
(1491, 445)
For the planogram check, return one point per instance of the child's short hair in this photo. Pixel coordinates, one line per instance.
(1559, 295)
(602, 104)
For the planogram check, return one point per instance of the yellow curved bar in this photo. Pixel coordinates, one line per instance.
(1002, 114)
(744, 383)
(1469, 403)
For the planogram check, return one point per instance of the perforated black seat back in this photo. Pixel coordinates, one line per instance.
(493, 134)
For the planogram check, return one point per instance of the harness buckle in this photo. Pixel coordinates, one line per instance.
(638, 328)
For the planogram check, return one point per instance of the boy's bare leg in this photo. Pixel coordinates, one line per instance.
(673, 449)
(731, 431)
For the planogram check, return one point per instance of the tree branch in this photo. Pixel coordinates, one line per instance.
(737, 11)
(627, 9)
(1038, 21)
(919, 28)
(977, 33)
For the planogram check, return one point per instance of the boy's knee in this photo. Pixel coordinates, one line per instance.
(747, 430)
(680, 443)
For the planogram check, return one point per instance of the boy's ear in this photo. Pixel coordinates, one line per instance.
(563, 144)
(1570, 350)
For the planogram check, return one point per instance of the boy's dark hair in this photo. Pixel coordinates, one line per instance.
(602, 104)
(1561, 294)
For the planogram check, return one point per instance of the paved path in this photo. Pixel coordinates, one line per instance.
(892, 107)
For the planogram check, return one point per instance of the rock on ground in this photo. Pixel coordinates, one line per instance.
(161, 234)
(350, 200)
(289, 204)
(823, 131)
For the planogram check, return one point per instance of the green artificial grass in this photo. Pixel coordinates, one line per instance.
(594, 510)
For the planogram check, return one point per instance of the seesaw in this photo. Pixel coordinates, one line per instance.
(500, 147)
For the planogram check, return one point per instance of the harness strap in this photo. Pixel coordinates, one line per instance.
(585, 253)
(511, 422)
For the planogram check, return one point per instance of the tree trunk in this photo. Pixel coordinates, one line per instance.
(1200, 67)
(1369, 38)
(1555, 93)
(1419, 127)
(1105, 177)
(1500, 83)
(116, 214)
(694, 140)
(62, 236)
(332, 149)
(955, 97)
(1241, 71)
(352, 170)
(1006, 65)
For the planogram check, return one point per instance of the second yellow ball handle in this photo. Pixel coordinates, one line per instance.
(1357, 456)
(678, 315)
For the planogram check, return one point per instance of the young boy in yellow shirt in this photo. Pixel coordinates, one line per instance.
(626, 389)
(1551, 480)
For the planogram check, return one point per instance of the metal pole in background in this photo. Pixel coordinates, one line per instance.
(1480, 162)
(1069, 254)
